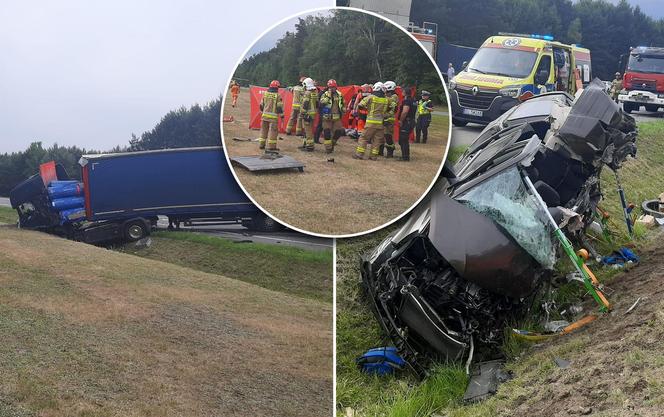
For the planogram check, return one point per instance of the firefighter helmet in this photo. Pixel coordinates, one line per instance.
(378, 86)
(275, 84)
(308, 83)
(332, 83)
(390, 86)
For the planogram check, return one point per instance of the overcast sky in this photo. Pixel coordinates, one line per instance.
(88, 73)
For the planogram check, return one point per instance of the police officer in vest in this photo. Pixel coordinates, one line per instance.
(377, 106)
(406, 125)
(332, 108)
(308, 113)
(272, 109)
(294, 121)
(390, 93)
(424, 109)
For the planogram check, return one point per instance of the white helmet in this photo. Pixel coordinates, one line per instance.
(308, 83)
(390, 86)
(378, 86)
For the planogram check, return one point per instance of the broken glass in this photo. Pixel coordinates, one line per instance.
(506, 200)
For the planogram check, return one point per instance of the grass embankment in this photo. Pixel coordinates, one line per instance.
(8, 215)
(91, 332)
(343, 197)
(287, 269)
(617, 366)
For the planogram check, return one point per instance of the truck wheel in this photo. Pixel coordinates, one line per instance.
(458, 123)
(135, 230)
(630, 107)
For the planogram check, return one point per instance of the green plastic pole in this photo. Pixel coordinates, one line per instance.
(567, 246)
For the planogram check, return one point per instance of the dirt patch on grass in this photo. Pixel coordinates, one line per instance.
(617, 363)
(347, 196)
(88, 331)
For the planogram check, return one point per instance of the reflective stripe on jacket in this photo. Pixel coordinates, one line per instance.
(423, 107)
(310, 103)
(377, 109)
(298, 91)
(335, 104)
(271, 106)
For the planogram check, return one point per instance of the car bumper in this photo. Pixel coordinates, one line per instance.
(641, 97)
(498, 106)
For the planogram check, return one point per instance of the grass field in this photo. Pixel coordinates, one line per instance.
(344, 197)
(8, 215)
(269, 266)
(617, 365)
(88, 331)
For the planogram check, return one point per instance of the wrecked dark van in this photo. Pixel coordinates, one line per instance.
(473, 255)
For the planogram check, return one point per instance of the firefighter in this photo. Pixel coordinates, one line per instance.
(406, 125)
(390, 93)
(361, 114)
(235, 92)
(294, 121)
(308, 113)
(424, 109)
(332, 108)
(377, 106)
(616, 86)
(272, 109)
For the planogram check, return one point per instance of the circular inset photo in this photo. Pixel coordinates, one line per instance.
(336, 122)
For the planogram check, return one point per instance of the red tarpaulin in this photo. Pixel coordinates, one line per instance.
(256, 94)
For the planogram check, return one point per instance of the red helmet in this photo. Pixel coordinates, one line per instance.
(332, 83)
(366, 88)
(275, 84)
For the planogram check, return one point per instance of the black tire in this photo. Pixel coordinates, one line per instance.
(653, 108)
(134, 230)
(458, 123)
(630, 107)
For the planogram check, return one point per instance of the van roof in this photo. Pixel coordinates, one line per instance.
(525, 43)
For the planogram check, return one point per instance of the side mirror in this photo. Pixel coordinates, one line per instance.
(542, 77)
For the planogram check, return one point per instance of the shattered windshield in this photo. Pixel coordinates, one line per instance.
(506, 200)
(503, 61)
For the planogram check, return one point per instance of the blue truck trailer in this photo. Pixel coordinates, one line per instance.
(122, 194)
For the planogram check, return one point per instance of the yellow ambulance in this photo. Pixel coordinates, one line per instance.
(509, 68)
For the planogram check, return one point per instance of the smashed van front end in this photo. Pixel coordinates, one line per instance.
(472, 257)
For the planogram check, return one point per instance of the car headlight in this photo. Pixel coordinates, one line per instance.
(452, 85)
(513, 91)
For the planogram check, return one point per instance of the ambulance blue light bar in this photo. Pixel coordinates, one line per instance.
(543, 37)
(524, 35)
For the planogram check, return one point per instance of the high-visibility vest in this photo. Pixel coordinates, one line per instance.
(298, 91)
(310, 102)
(271, 106)
(334, 104)
(422, 108)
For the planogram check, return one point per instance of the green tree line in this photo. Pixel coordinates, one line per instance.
(350, 47)
(607, 29)
(185, 127)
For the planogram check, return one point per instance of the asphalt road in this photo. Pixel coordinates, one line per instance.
(239, 234)
(464, 136)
